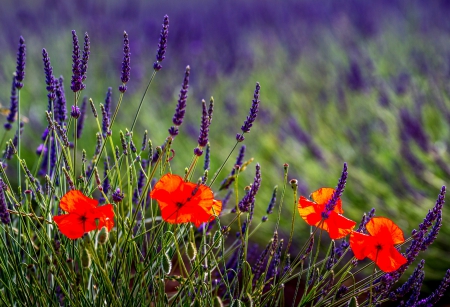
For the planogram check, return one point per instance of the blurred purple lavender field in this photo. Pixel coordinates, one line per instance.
(365, 82)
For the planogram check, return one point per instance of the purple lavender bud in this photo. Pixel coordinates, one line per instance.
(106, 186)
(225, 184)
(125, 77)
(162, 46)
(406, 287)
(98, 146)
(108, 101)
(339, 190)
(207, 157)
(308, 249)
(435, 212)
(341, 249)
(341, 291)
(13, 107)
(273, 200)
(76, 84)
(140, 184)
(144, 141)
(82, 116)
(53, 154)
(432, 235)
(415, 291)
(75, 113)
(49, 78)
(105, 121)
(204, 130)
(180, 110)
(277, 258)
(259, 263)
(436, 295)
(117, 196)
(85, 58)
(355, 80)
(20, 68)
(4, 214)
(331, 260)
(252, 114)
(248, 200)
(60, 106)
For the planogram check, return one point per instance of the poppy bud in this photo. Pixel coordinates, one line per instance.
(191, 251)
(166, 264)
(103, 236)
(217, 239)
(87, 239)
(85, 258)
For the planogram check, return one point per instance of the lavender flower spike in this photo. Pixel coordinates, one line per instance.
(247, 201)
(4, 214)
(76, 84)
(49, 78)
(85, 58)
(204, 130)
(251, 116)
(436, 295)
(180, 110)
(13, 106)
(125, 77)
(337, 193)
(162, 46)
(60, 105)
(20, 68)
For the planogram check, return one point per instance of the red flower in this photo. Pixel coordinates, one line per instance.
(379, 246)
(182, 202)
(84, 215)
(336, 224)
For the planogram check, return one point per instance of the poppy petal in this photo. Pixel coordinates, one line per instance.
(75, 201)
(70, 225)
(323, 195)
(385, 228)
(361, 245)
(182, 202)
(105, 216)
(309, 211)
(390, 259)
(338, 226)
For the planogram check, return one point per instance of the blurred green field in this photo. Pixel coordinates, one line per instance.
(379, 102)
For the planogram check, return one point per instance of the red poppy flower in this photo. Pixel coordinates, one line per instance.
(84, 215)
(182, 202)
(336, 224)
(379, 245)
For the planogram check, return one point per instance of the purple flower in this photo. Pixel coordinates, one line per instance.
(251, 116)
(20, 68)
(273, 200)
(60, 106)
(75, 113)
(125, 77)
(437, 294)
(49, 78)
(77, 83)
(13, 107)
(207, 158)
(248, 200)
(180, 110)
(225, 184)
(162, 46)
(85, 59)
(337, 193)
(82, 116)
(204, 129)
(4, 214)
(106, 112)
(406, 287)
